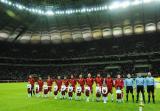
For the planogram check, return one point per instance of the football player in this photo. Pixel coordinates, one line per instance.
(89, 82)
(55, 91)
(98, 92)
(45, 89)
(63, 91)
(104, 93)
(109, 82)
(70, 92)
(87, 92)
(29, 89)
(119, 95)
(78, 92)
(37, 89)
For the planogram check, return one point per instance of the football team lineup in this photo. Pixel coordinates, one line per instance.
(82, 89)
(13, 97)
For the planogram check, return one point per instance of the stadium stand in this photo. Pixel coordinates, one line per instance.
(90, 39)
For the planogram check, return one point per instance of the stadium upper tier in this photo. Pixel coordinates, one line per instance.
(134, 44)
(28, 23)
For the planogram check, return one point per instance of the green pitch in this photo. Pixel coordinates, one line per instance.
(13, 97)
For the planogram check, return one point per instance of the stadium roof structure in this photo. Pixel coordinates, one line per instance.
(58, 21)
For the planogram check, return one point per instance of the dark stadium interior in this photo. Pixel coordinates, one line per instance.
(80, 42)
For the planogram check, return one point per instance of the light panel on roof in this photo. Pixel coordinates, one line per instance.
(4, 35)
(117, 31)
(66, 35)
(138, 29)
(107, 33)
(55, 35)
(150, 27)
(97, 34)
(128, 30)
(25, 38)
(77, 36)
(87, 35)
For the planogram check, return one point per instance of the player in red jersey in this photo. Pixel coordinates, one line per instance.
(66, 82)
(89, 82)
(119, 83)
(109, 82)
(99, 80)
(81, 82)
(59, 83)
(40, 83)
(73, 82)
(49, 84)
(31, 81)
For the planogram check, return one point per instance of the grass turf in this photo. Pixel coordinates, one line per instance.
(13, 97)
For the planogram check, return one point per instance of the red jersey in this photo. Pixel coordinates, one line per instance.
(40, 83)
(31, 81)
(99, 81)
(49, 82)
(73, 82)
(109, 82)
(81, 81)
(59, 83)
(66, 82)
(119, 83)
(89, 81)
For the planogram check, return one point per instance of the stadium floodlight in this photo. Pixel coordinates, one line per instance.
(105, 7)
(114, 5)
(76, 11)
(9, 3)
(79, 10)
(29, 9)
(3, 1)
(88, 10)
(83, 10)
(136, 2)
(19, 6)
(98, 8)
(95, 9)
(61, 12)
(125, 4)
(26, 8)
(69, 12)
(57, 12)
(147, 1)
(49, 12)
(33, 10)
(39, 11)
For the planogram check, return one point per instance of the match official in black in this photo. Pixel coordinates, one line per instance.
(129, 82)
(150, 87)
(140, 84)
